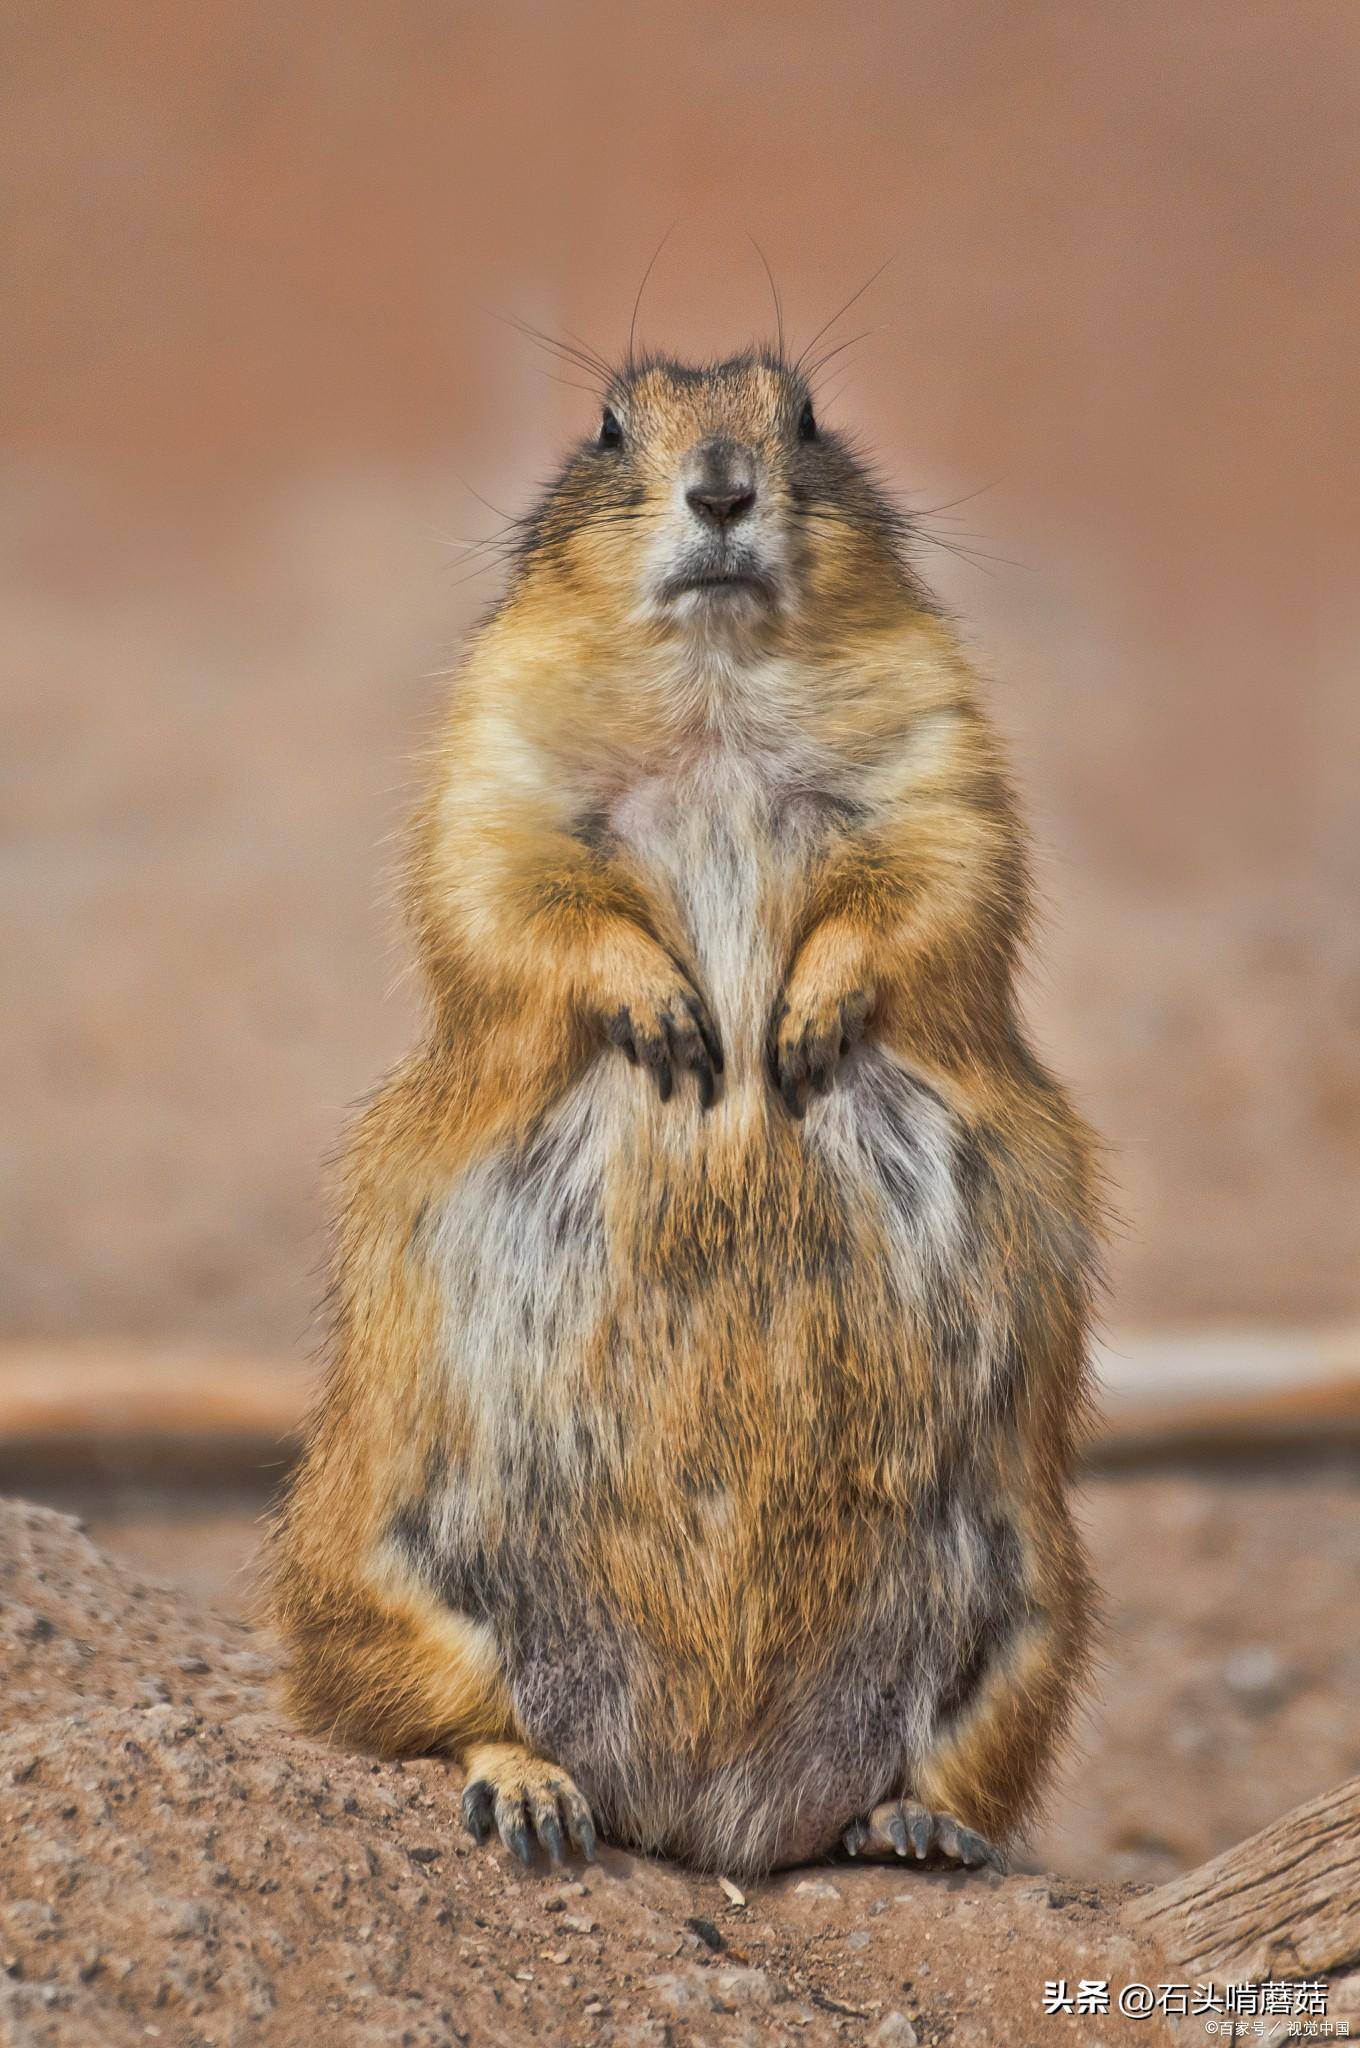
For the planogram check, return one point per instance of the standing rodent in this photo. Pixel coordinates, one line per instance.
(712, 1284)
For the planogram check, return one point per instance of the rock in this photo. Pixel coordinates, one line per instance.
(894, 2030)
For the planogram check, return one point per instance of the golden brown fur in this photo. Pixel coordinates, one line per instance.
(710, 1460)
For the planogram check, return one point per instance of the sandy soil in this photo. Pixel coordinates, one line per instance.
(1230, 1671)
(180, 1868)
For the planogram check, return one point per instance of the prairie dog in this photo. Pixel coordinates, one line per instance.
(712, 1283)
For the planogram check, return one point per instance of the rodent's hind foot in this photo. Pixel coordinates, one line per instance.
(902, 1828)
(528, 1801)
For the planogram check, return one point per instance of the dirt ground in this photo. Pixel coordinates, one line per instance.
(1229, 1688)
(180, 1868)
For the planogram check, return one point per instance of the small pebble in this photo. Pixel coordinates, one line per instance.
(707, 1932)
(894, 2030)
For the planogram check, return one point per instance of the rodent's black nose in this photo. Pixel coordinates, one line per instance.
(722, 507)
(724, 485)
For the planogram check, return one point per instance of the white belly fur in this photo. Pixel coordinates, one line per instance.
(524, 1257)
(522, 1246)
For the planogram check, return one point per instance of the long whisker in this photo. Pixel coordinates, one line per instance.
(494, 543)
(837, 391)
(568, 383)
(596, 356)
(473, 574)
(510, 518)
(637, 303)
(827, 325)
(774, 293)
(927, 511)
(577, 353)
(977, 556)
(829, 516)
(909, 529)
(815, 369)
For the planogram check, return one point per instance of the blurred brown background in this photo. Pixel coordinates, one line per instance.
(254, 379)
(255, 384)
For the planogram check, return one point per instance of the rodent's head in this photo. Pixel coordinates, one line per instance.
(712, 502)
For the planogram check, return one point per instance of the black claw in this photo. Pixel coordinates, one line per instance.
(680, 1045)
(854, 1838)
(772, 1064)
(580, 1827)
(897, 1834)
(920, 1828)
(693, 1048)
(952, 1839)
(516, 1837)
(550, 1835)
(619, 1032)
(712, 1042)
(810, 1066)
(478, 1809)
(975, 1850)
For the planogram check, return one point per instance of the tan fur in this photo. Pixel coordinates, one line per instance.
(740, 1403)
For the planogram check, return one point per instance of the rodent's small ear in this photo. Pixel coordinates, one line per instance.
(611, 433)
(807, 422)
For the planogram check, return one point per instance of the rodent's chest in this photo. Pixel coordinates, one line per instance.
(728, 841)
(764, 798)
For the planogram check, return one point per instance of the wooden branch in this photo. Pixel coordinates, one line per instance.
(169, 1411)
(1284, 1903)
(105, 1407)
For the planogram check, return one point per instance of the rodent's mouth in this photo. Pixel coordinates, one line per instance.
(719, 582)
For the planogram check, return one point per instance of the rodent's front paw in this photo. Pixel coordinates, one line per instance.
(669, 1028)
(810, 1034)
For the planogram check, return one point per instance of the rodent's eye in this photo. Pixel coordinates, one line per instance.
(807, 422)
(611, 433)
